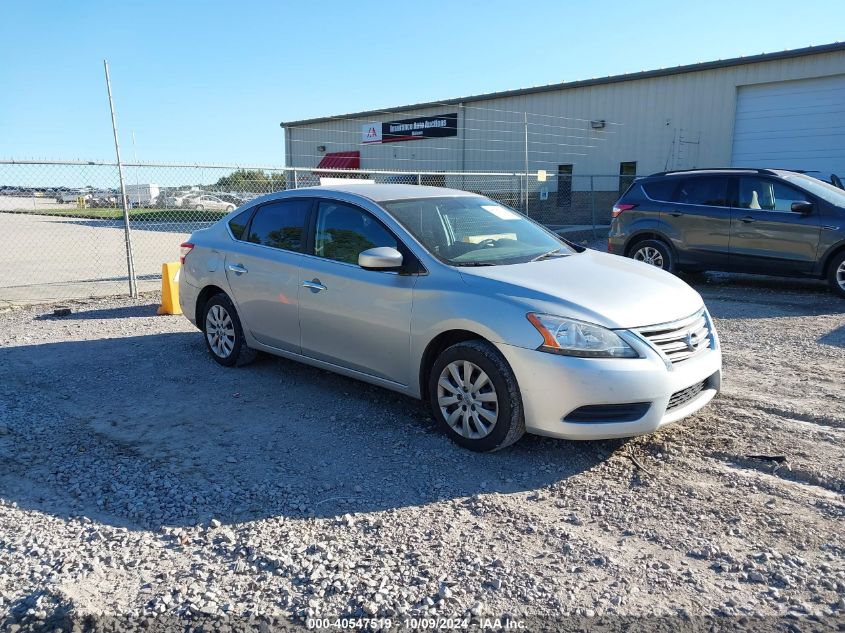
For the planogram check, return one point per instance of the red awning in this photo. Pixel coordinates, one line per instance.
(341, 160)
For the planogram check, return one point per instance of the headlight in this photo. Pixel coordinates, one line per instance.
(576, 338)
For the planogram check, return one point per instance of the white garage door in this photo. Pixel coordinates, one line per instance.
(793, 125)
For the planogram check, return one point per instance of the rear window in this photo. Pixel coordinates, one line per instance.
(711, 191)
(280, 224)
(661, 190)
(238, 223)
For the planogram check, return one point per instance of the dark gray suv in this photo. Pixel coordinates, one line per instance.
(767, 221)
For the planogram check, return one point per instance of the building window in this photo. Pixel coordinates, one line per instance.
(627, 173)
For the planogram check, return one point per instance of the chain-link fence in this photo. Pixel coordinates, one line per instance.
(63, 232)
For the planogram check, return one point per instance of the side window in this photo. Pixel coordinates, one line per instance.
(238, 223)
(711, 191)
(767, 195)
(280, 224)
(661, 190)
(343, 232)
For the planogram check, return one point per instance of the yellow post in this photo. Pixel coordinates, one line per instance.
(170, 288)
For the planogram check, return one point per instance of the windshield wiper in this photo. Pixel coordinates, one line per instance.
(474, 264)
(545, 255)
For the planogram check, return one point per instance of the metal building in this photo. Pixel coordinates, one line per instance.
(784, 109)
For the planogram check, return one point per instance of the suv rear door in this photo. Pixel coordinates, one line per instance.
(766, 235)
(700, 218)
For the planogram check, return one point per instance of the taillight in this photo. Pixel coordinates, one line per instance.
(619, 208)
(186, 247)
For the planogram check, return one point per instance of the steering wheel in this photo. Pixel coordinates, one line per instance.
(488, 242)
(836, 181)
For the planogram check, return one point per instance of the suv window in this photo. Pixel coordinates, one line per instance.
(767, 195)
(711, 191)
(280, 224)
(238, 223)
(661, 190)
(344, 231)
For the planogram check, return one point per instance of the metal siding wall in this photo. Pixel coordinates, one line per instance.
(701, 104)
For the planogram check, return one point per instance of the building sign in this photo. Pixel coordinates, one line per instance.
(411, 129)
(371, 133)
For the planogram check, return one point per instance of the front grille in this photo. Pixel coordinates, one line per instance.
(608, 413)
(682, 339)
(680, 398)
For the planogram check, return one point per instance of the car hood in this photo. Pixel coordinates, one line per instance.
(609, 290)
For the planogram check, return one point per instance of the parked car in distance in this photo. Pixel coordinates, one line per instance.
(178, 199)
(766, 221)
(501, 325)
(207, 202)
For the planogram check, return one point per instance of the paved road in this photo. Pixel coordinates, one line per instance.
(43, 258)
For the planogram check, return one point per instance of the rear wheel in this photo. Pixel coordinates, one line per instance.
(655, 253)
(836, 274)
(475, 398)
(224, 336)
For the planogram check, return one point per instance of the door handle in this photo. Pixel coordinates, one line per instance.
(313, 286)
(748, 219)
(676, 214)
(238, 269)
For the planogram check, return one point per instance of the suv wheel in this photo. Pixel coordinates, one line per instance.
(475, 398)
(655, 253)
(224, 336)
(836, 274)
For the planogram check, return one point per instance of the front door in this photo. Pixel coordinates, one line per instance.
(766, 235)
(700, 219)
(358, 319)
(262, 269)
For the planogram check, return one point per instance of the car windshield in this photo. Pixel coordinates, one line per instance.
(475, 231)
(818, 187)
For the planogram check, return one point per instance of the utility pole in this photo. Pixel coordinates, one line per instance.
(130, 266)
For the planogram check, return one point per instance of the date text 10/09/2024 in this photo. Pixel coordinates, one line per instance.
(416, 624)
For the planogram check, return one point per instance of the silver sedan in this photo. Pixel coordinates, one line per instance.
(448, 296)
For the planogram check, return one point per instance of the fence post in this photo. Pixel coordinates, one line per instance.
(130, 264)
(295, 179)
(525, 115)
(419, 179)
(593, 204)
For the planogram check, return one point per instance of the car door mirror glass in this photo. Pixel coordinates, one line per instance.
(380, 258)
(802, 207)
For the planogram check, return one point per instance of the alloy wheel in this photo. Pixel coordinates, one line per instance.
(649, 255)
(467, 399)
(840, 275)
(220, 331)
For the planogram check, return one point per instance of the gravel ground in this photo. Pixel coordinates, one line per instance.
(140, 480)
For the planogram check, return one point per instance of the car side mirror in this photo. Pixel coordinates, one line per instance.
(802, 207)
(380, 258)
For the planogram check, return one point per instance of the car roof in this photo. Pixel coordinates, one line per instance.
(383, 192)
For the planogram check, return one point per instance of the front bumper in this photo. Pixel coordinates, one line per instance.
(553, 387)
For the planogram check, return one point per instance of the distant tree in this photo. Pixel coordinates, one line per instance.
(252, 180)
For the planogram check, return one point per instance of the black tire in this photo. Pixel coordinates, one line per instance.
(239, 354)
(836, 274)
(509, 425)
(666, 257)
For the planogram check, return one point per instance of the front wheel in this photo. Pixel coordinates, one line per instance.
(654, 253)
(836, 275)
(224, 335)
(475, 398)
(199, 207)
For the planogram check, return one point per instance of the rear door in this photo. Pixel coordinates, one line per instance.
(766, 235)
(700, 218)
(358, 319)
(263, 272)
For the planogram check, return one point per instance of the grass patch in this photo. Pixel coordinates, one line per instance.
(135, 215)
